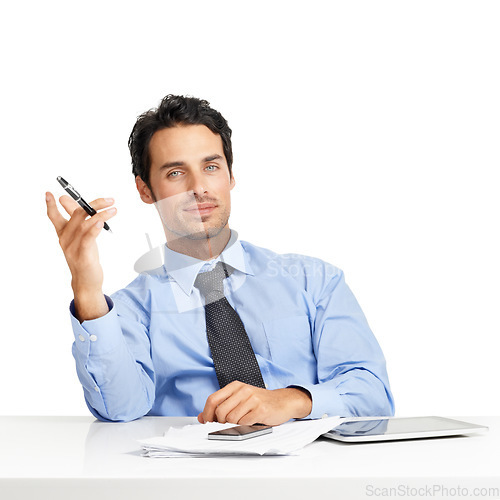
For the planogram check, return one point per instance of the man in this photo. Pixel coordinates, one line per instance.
(224, 330)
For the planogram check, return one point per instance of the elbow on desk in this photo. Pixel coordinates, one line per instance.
(374, 400)
(386, 406)
(115, 417)
(371, 406)
(124, 413)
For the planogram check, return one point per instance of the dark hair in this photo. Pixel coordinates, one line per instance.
(175, 110)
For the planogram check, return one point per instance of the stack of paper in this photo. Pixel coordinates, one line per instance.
(192, 440)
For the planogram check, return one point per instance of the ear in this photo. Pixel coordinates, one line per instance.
(144, 191)
(232, 182)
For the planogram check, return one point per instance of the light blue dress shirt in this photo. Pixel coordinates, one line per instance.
(149, 354)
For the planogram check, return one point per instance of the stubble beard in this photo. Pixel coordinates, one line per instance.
(177, 222)
(205, 232)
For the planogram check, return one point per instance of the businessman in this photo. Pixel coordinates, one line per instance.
(223, 329)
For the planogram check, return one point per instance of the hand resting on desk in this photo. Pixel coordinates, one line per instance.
(244, 404)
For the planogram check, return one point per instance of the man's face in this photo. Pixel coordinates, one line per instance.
(190, 182)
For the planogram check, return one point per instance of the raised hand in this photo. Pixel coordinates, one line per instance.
(77, 238)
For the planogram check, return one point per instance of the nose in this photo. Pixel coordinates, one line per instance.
(197, 184)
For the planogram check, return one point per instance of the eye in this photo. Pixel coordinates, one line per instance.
(212, 168)
(175, 173)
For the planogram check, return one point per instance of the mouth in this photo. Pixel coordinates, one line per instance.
(201, 209)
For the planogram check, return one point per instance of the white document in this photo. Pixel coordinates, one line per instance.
(192, 440)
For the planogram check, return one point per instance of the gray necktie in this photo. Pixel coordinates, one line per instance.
(231, 350)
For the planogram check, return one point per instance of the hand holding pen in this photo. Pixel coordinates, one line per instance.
(77, 197)
(77, 238)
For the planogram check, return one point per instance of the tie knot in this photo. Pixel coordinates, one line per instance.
(211, 283)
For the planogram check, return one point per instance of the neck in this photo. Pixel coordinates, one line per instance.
(202, 249)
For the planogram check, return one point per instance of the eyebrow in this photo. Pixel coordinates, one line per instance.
(181, 163)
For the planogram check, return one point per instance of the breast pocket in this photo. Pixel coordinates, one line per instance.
(289, 341)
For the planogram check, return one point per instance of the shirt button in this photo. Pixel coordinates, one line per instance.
(325, 415)
(93, 338)
(96, 389)
(81, 337)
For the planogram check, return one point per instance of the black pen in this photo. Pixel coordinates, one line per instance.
(77, 197)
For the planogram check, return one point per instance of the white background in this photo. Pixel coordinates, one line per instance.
(364, 133)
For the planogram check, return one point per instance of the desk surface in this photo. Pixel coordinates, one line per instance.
(81, 456)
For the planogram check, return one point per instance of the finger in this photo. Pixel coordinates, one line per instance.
(208, 413)
(69, 204)
(101, 203)
(253, 417)
(87, 239)
(238, 413)
(248, 413)
(93, 231)
(81, 233)
(92, 227)
(253, 402)
(233, 408)
(102, 216)
(53, 213)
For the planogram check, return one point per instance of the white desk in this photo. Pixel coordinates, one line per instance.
(75, 458)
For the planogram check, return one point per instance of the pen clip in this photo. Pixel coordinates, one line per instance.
(73, 192)
(69, 188)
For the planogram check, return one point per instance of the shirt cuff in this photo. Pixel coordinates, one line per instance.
(326, 401)
(96, 336)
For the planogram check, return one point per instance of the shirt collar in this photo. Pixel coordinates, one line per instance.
(184, 268)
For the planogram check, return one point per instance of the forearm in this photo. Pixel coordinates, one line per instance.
(300, 402)
(89, 304)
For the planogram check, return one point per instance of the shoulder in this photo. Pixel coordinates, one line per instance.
(312, 272)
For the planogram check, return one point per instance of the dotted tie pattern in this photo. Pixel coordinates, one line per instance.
(230, 346)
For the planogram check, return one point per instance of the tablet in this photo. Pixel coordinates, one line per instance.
(359, 430)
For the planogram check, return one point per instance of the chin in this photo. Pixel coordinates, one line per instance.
(203, 234)
(199, 232)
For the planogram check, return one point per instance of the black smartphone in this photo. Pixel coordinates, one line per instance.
(241, 432)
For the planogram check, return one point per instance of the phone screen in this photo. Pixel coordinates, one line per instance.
(241, 432)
